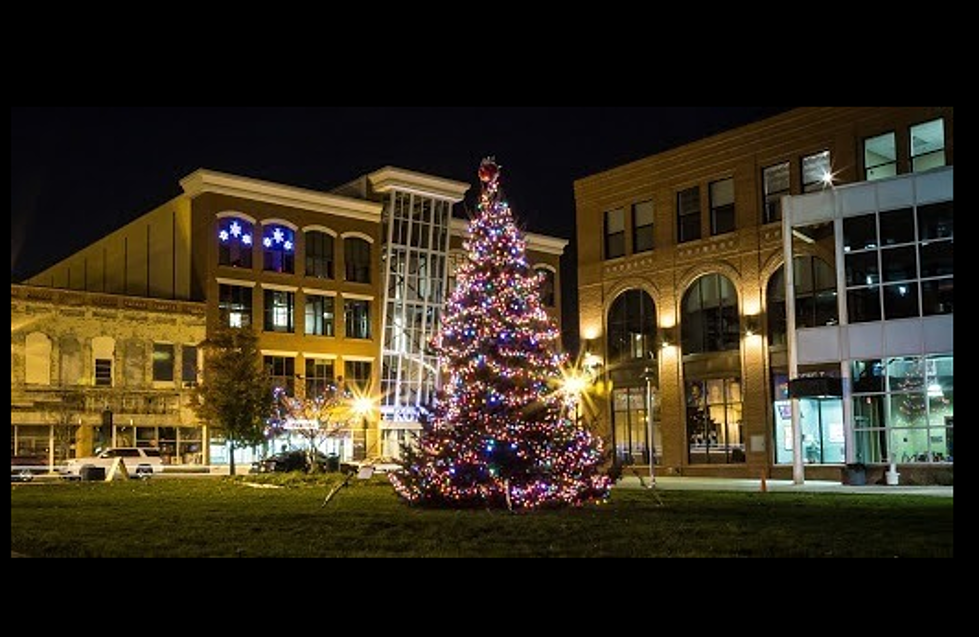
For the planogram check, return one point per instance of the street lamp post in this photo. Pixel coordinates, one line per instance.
(649, 375)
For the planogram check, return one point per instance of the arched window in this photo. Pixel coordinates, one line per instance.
(710, 320)
(357, 256)
(279, 249)
(320, 255)
(816, 298)
(236, 239)
(632, 328)
(38, 359)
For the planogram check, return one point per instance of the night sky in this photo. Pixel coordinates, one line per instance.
(78, 173)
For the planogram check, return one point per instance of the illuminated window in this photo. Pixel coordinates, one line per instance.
(880, 157)
(279, 250)
(714, 421)
(320, 310)
(235, 306)
(688, 215)
(615, 234)
(643, 220)
(928, 146)
(722, 209)
(236, 240)
(817, 172)
(280, 311)
(778, 183)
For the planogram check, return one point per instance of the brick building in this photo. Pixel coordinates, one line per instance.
(682, 286)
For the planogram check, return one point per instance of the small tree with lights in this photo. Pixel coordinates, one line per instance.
(316, 419)
(500, 436)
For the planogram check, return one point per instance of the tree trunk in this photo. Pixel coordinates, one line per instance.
(231, 450)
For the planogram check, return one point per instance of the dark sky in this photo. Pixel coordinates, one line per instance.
(78, 173)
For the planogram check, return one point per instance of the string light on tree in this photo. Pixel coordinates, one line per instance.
(499, 436)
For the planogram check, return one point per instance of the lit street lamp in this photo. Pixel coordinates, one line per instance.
(575, 385)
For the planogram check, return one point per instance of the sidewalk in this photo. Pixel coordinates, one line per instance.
(773, 486)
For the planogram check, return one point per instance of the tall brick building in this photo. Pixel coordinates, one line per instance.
(682, 289)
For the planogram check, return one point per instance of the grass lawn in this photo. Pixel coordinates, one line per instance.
(224, 517)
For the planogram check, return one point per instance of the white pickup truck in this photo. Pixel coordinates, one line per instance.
(140, 462)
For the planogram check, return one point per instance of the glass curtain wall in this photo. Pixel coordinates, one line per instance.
(416, 260)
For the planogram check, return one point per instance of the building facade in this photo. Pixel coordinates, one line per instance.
(345, 286)
(91, 370)
(683, 292)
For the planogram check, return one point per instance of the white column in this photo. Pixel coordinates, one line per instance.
(798, 466)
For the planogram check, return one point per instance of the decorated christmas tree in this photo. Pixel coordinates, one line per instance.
(501, 435)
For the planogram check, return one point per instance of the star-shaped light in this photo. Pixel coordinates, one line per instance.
(288, 246)
(247, 239)
(235, 229)
(224, 236)
(278, 236)
(267, 242)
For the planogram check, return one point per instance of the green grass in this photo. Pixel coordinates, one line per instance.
(223, 517)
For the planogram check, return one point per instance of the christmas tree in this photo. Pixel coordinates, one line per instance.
(500, 435)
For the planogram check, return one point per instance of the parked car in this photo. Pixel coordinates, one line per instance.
(295, 460)
(24, 468)
(140, 462)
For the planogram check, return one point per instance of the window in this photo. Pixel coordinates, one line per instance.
(235, 306)
(714, 421)
(279, 250)
(357, 253)
(320, 315)
(615, 234)
(710, 320)
(722, 209)
(688, 215)
(643, 220)
(283, 373)
(103, 355)
(903, 409)
(880, 157)
(357, 319)
(163, 362)
(817, 172)
(928, 146)
(899, 263)
(319, 255)
(103, 372)
(777, 183)
(632, 328)
(359, 375)
(280, 314)
(816, 298)
(188, 372)
(37, 354)
(631, 425)
(320, 377)
(235, 243)
(548, 296)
